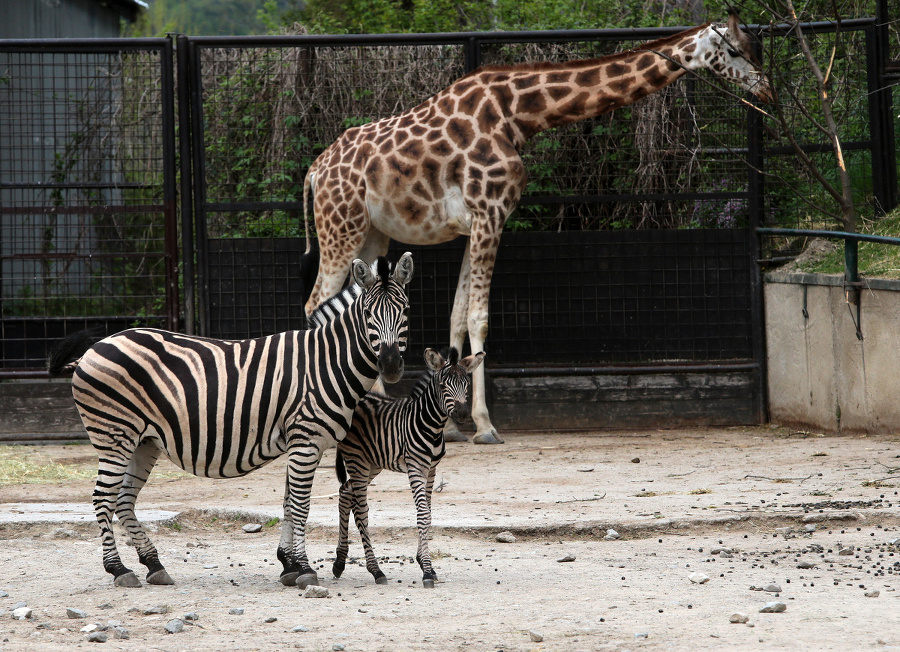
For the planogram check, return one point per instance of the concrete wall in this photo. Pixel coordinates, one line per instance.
(821, 376)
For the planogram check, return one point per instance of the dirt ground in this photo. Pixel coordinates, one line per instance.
(818, 516)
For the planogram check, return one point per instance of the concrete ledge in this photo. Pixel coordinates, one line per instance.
(831, 280)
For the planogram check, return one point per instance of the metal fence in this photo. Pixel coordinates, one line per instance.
(88, 233)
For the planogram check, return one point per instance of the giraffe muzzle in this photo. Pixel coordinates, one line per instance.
(390, 363)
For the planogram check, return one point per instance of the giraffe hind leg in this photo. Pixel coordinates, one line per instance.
(142, 462)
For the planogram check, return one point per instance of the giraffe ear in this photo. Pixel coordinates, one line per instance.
(403, 270)
(433, 359)
(470, 363)
(362, 274)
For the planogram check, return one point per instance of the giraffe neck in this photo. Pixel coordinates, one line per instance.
(547, 95)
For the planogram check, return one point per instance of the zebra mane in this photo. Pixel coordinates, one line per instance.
(382, 268)
(334, 306)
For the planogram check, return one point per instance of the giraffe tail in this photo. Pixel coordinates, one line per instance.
(309, 183)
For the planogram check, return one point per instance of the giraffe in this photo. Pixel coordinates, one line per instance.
(451, 166)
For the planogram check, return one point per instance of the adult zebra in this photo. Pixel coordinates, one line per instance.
(403, 435)
(221, 409)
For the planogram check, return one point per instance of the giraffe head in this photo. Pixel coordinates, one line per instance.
(728, 52)
(451, 379)
(386, 310)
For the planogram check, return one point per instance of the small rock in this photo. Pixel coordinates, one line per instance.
(642, 635)
(19, 604)
(784, 531)
(535, 637)
(773, 608)
(872, 594)
(93, 627)
(252, 528)
(22, 613)
(97, 637)
(806, 564)
(236, 611)
(337, 647)
(271, 619)
(849, 550)
(105, 605)
(193, 616)
(44, 626)
(63, 533)
(738, 618)
(174, 626)
(567, 558)
(210, 566)
(772, 588)
(810, 527)
(506, 537)
(300, 628)
(120, 633)
(157, 610)
(698, 578)
(315, 591)
(612, 535)
(76, 613)
(635, 460)
(4, 594)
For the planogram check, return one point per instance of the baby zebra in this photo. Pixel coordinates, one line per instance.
(403, 435)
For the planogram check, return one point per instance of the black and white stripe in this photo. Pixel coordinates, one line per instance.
(403, 435)
(221, 409)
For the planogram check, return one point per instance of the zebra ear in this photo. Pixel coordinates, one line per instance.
(403, 270)
(433, 359)
(362, 274)
(470, 363)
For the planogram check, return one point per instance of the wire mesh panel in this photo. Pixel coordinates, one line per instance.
(85, 132)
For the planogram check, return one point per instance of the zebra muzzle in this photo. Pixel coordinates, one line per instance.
(460, 412)
(390, 363)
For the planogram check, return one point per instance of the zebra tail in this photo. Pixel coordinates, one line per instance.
(309, 269)
(340, 468)
(65, 354)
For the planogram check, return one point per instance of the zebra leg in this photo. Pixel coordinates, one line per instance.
(343, 548)
(142, 462)
(291, 571)
(115, 457)
(361, 514)
(419, 485)
(304, 453)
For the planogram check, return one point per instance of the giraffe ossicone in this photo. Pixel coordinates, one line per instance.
(451, 167)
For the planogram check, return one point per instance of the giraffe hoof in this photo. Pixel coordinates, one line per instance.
(455, 435)
(491, 437)
(289, 578)
(128, 580)
(307, 579)
(160, 577)
(427, 584)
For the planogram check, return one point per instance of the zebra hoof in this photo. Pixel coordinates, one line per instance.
(381, 580)
(427, 584)
(307, 579)
(128, 580)
(289, 578)
(338, 568)
(160, 577)
(492, 437)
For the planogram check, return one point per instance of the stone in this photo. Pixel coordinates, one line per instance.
(64, 533)
(806, 564)
(22, 613)
(252, 528)
(535, 636)
(738, 618)
(849, 550)
(612, 535)
(193, 616)
(76, 613)
(506, 537)
(105, 605)
(772, 588)
(640, 635)
(174, 626)
(315, 591)
(4, 594)
(210, 566)
(337, 647)
(773, 608)
(157, 610)
(635, 460)
(567, 558)
(97, 637)
(810, 527)
(872, 594)
(120, 633)
(300, 628)
(93, 627)
(236, 611)
(270, 619)
(698, 578)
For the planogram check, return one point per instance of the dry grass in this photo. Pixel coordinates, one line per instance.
(28, 467)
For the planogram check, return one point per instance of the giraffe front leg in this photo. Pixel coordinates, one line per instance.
(419, 485)
(458, 331)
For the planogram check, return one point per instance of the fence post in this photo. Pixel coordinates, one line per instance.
(187, 197)
(881, 130)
